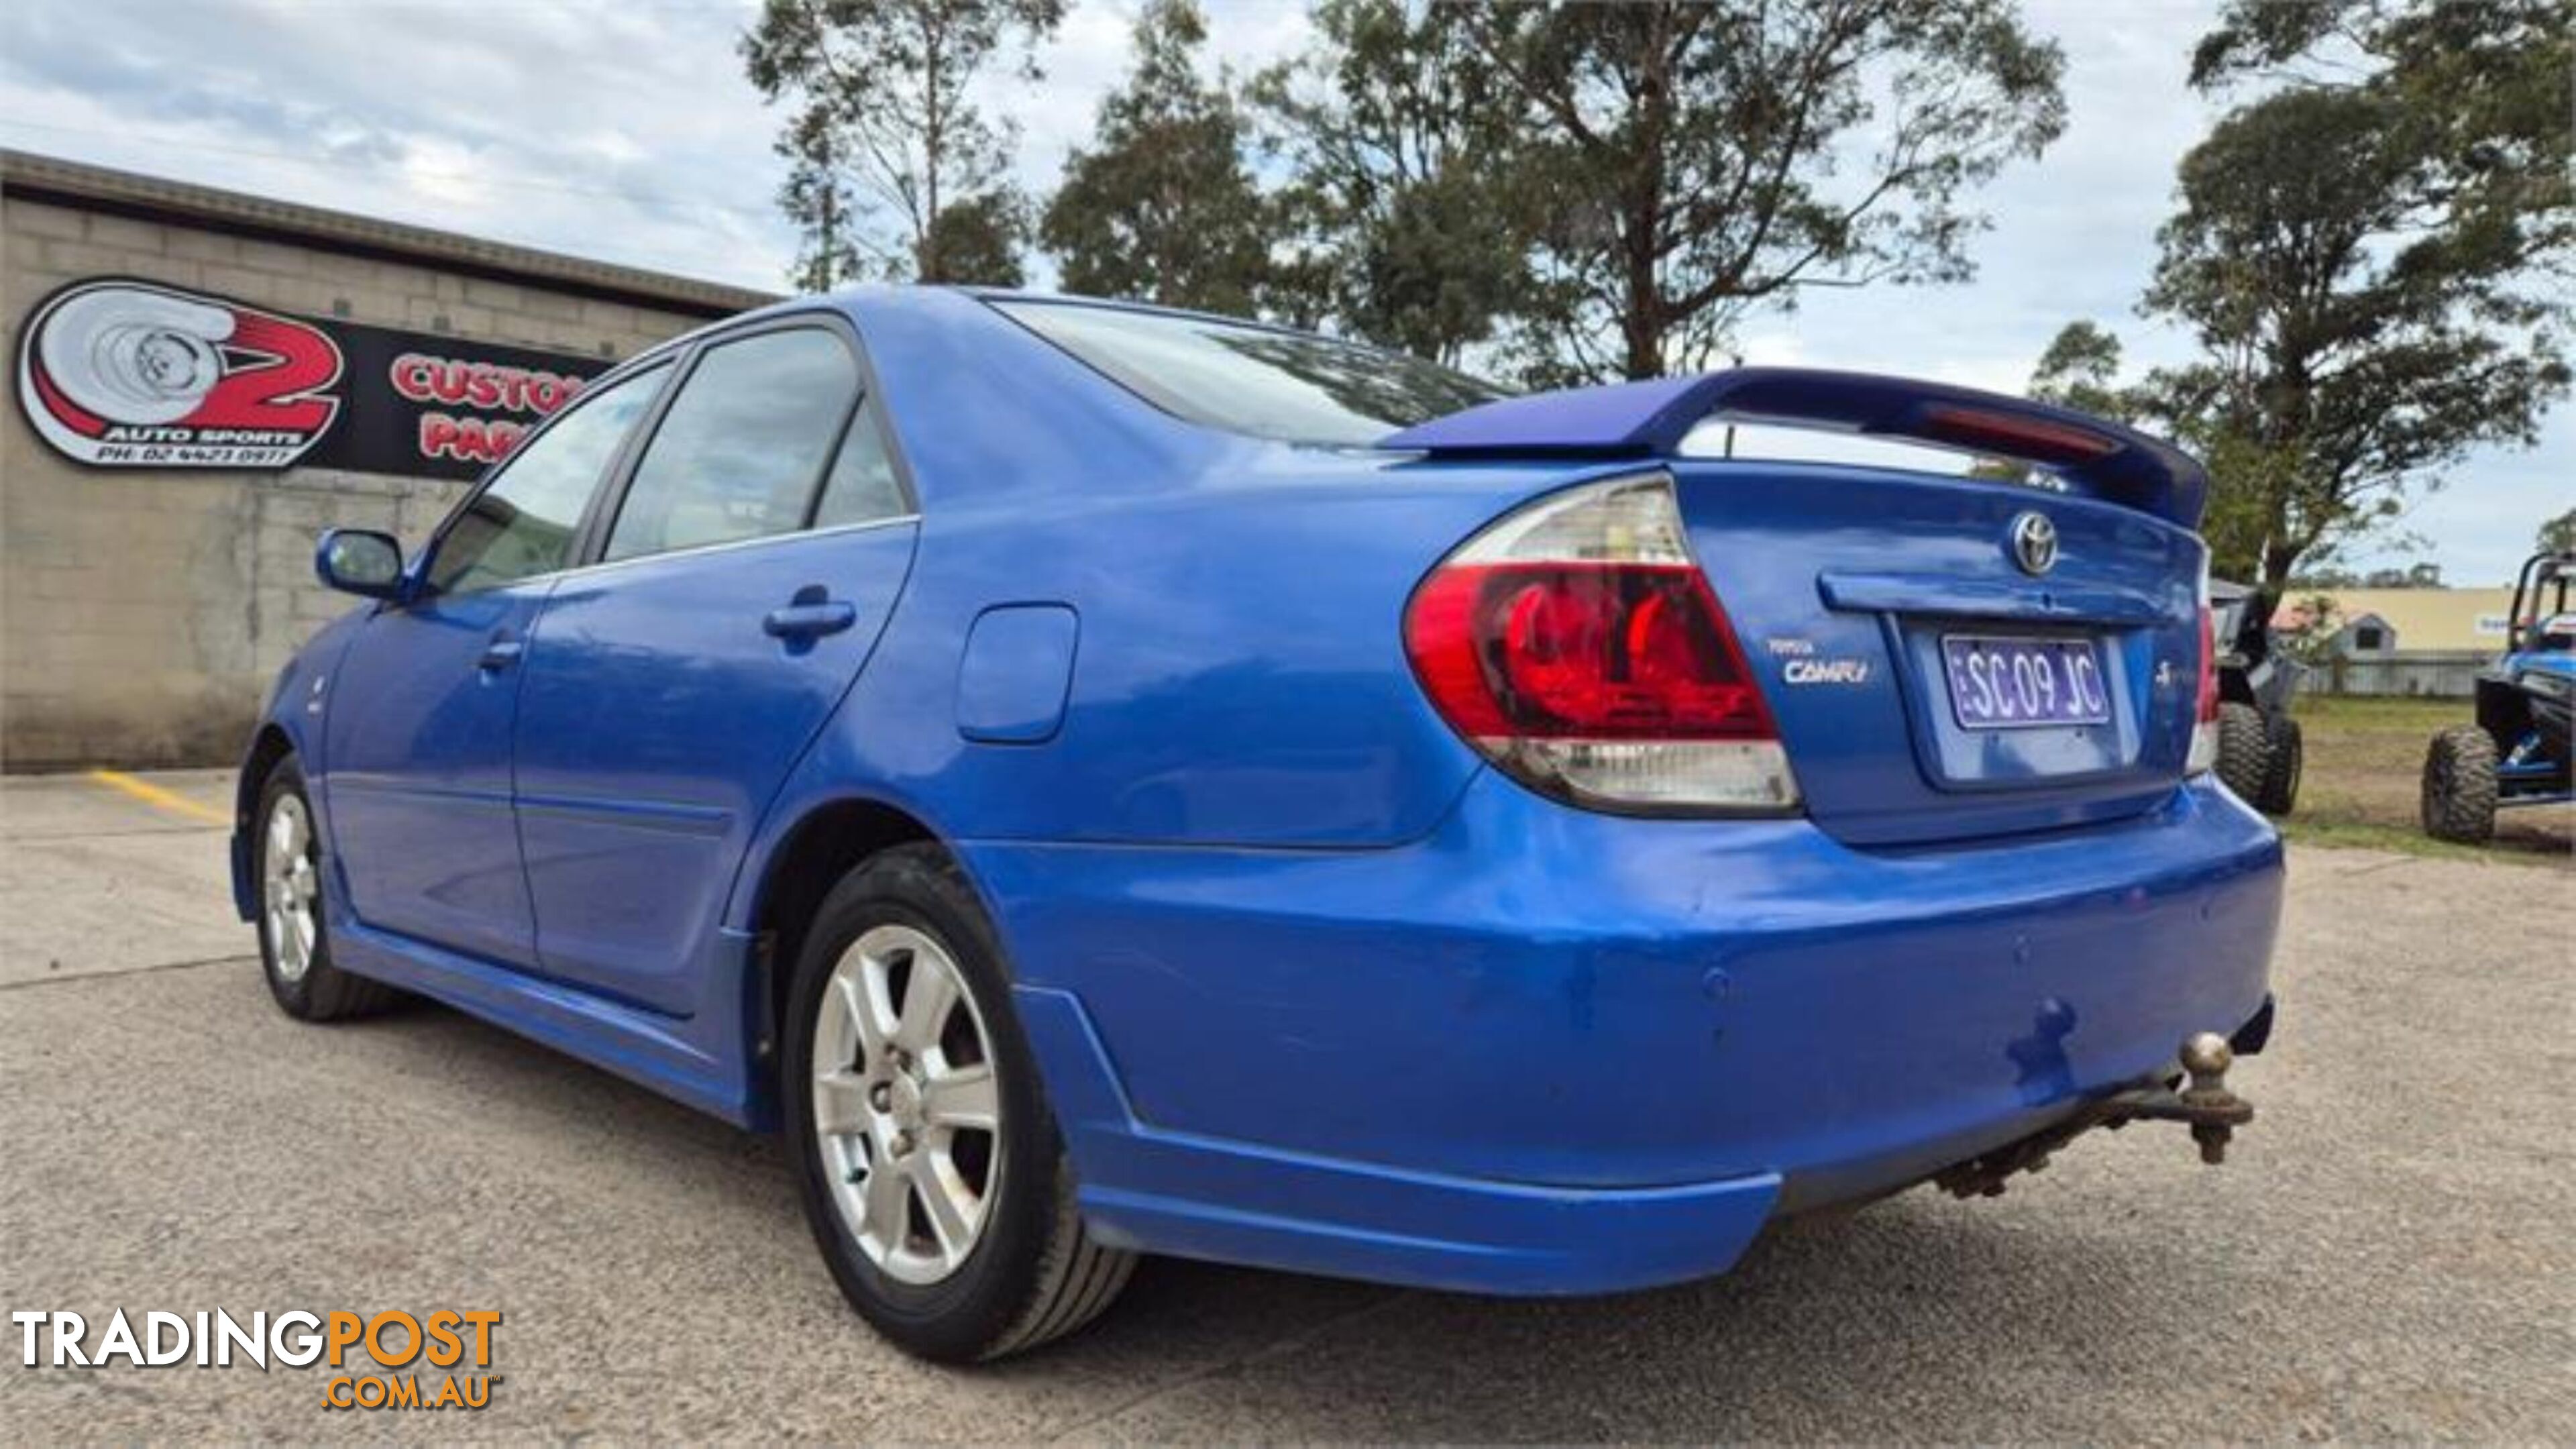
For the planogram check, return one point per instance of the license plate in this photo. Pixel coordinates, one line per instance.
(2001, 683)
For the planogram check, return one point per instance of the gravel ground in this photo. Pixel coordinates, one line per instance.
(2388, 1254)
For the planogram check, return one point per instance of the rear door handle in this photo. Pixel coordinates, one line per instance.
(500, 654)
(810, 620)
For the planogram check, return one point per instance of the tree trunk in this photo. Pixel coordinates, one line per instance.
(2279, 558)
(1642, 329)
(829, 252)
(934, 146)
(1643, 335)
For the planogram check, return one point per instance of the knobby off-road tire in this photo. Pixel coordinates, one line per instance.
(2460, 786)
(2285, 756)
(1033, 1272)
(294, 940)
(2243, 753)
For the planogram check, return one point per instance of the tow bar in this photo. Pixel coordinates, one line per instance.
(2203, 1101)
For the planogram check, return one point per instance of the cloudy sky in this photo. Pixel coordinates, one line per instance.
(622, 129)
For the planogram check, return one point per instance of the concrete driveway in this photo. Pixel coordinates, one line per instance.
(2390, 1252)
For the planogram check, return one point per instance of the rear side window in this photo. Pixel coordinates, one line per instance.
(1294, 386)
(523, 524)
(862, 487)
(740, 450)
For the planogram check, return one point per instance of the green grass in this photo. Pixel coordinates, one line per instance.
(2406, 840)
(2365, 761)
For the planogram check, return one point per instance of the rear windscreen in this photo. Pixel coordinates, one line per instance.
(1292, 386)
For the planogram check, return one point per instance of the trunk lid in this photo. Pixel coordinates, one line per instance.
(1946, 657)
(1843, 586)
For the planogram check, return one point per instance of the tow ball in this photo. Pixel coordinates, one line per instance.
(2213, 1111)
(2202, 1100)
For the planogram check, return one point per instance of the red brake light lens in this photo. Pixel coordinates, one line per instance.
(2206, 708)
(1582, 651)
(2203, 754)
(2036, 439)
(1578, 645)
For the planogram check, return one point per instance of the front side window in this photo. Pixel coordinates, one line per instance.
(1293, 386)
(740, 450)
(523, 524)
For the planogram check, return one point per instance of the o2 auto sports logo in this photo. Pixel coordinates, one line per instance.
(122, 373)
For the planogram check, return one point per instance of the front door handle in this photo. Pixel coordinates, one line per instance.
(810, 620)
(500, 654)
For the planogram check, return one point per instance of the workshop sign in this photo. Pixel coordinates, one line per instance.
(119, 373)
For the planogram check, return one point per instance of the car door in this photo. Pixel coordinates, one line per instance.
(417, 736)
(739, 584)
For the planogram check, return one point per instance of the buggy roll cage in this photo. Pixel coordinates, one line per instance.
(2538, 572)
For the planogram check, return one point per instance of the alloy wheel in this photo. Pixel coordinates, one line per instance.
(290, 882)
(905, 1104)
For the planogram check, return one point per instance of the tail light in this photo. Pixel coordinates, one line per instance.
(2204, 728)
(1577, 645)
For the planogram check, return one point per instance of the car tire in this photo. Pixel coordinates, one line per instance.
(2242, 753)
(868, 1080)
(2460, 786)
(2285, 756)
(294, 935)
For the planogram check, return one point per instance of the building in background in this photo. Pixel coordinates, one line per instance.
(203, 382)
(2398, 641)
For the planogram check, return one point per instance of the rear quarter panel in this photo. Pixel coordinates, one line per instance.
(1237, 671)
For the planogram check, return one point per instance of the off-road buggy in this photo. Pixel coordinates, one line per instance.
(2517, 753)
(2259, 750)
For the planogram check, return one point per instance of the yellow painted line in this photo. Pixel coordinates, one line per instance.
(151, 794)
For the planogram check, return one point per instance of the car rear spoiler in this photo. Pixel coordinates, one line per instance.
(2094, 456)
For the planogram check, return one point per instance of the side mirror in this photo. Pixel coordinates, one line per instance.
(359, 561)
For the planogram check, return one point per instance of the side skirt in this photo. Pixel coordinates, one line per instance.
(695, 1060)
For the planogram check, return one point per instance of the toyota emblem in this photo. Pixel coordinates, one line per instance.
(2034, 543)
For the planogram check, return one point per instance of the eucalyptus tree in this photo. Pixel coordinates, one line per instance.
(884, 133)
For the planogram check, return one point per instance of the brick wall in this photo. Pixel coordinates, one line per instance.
(143, 613)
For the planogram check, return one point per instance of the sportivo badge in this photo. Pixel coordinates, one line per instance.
(125, 374)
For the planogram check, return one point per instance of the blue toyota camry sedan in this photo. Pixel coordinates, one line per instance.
(1105, 781)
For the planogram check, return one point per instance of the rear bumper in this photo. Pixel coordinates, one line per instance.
(1542, 1051)
(1237, 1202)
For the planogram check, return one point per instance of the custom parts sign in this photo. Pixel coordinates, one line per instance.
(119, 373)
